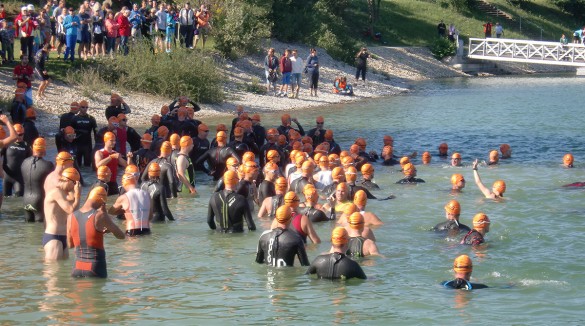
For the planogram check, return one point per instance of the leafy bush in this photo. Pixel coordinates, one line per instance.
(574, 7)
(442, 47)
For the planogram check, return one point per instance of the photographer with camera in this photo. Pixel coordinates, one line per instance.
(203, 28)
(361, 62)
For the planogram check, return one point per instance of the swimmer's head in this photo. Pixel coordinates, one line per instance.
(409, 170)
(19, 129)
(273, 155)
(291, 199)
(308, 167)
(281, 140)
(360, 199)
(350, 174)
(285, 119)
(109, 136)
(131, 169)
(270, 170)
(248, 156)
(453, 209)
(456, 159)
(349, 209)
(221, 137)
(231, 163)
(458, 181)
(481, 222)
(347, 161)
(298, 146)
(499, 187)
(506, 151)
(220, 127)
(333, 160)
(388, 140)
(494, 157)
(174, 140)
(567, 160)
(463, 265)
(165, 148)
(70, 174)
(426, 158)
(98, 197)
(104, 173)
(443, 149)
(337, 174)
(323, 162)
(155, 119)
(339, 236)
(185, 142)
(367, 170)
(250, 168)
(310, 193)
(356, 221)
(128, 179)
(328, 135)
(230, 178)
(154, 170)
(404, 160)
(283, 214)
(39, 147)
(64, 159)
(281, 185)
(162, 132)
(238, 132)
(31, 114)
(307, 140)
(354, 149)
(361, 143)
(299, 160)
(146, 140)
(164, 110)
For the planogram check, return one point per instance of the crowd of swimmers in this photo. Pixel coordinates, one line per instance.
(286, 176)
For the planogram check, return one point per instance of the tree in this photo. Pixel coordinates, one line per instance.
(373, 14)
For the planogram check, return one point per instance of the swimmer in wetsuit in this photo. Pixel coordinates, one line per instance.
(368, 175)
(359, 246)
(336, 265)
(568, 160)
(266, 188)
(103, 177)
(463, 267)
(350, 179)
(506, 151)
(494, 158)
(5, 141)
(158, 197)
(85, 234)
(481, 226)
(247, 184)
(35, 170)
(457, 182)
(443, 150)
(301, 223)
(167, 170)
(136, 206)
(14, 154)
(270, 204)
(60, 202)
(312, 209)
(452, 226)
(217, 156)
(227, 209)
(306, 178)
(84, 125)
(498, 188)
(279, 246)
(410, 175)
(426, 158)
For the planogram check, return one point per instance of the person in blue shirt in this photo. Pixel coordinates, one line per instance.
(312, 69)
(136, 19)
(71, 24)
(171, 22)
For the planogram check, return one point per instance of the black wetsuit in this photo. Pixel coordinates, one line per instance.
(460, 283)
(317, 139)
(200, 147)
(278, 248)
(167, 176)
(336, 266)
(17, 112)
(84, 126)
(259, 135)
(334, 147)
(368, 184)
(451, 227)
(133, 138)
(265, 190)
(113, 111)
(142, 157)
(277, 201)
(409, 180)
(30, 131)
(216, 158)
(34, 171)
(315, 215)
(247, 189)
(100, 183)
(368, 157)
(64, 121)
(239, 147)
(390, 162)
(160, 209)
(284, 130)
(14, 155)
(356, 246)
(265, 149)
(298, 185)
(230, 209)
(472, 238)
(352, 189)
(330, 189)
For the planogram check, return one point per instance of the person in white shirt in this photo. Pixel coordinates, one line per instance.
(296, 75)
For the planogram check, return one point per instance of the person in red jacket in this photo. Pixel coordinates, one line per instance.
(25, 25)
(286, 69)
(124, 29)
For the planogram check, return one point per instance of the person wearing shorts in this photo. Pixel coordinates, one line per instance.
(286, 69)
(296, 75)
(203, 15)
(40, 69)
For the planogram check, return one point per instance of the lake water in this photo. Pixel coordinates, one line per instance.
(186, 274)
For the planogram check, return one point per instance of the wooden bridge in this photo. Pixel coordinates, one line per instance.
(549, 53)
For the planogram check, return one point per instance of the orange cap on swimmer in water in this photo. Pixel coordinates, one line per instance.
(456, 155)
(350, 208)
(164, 110)
(453, 207)
(426, 158)
(307, 140)
(128, 179)
(238, 131)
(360, 142)
(367, 169)
(185, 141)
(297, 146)
(109, 136)
(443, 146)
(155, 119)
(248, 156)
(220, 127)
(146, 138)
(18, 128)
(98, 194)
(281, 140)
(328, 135)
(388, 140)
(270, 166)
(283, 214)
(202, 127)
(30, 113)
(165, 148)
(69, 131)
(333, 158)
(404, 160)
(354, 149)
(360, 198)
(291, 198)
(339, 236)
(232, 161)
(221, 135)
(162, 132)
(408, 169)
(456, 178)
(347, 161)
(39, 145)
(322, 148)
(351, 174)
(494, 156)
(309, 190)
(281, 184)
(337, 173)
(356, 221)
(70, 174)
(250, 167)
(154, 170)
(299, 160)
(463, 264)
(308, 166)
(131, 169)
(323, 160)
(480, 221)
(285, 118)
(504, 148)
(317, 157)
(308, 148)
(64, 158)
(500, 186)
(272, 154)
(567, 159)
(343, 154)
(175, 139)
(230, 178)
(104, 172)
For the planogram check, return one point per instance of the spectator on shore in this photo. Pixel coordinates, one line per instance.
(98, 43)
(161, 27)
(341, 87)
(84, 47)
(361, 63)
(111, 33)
(452, 32)
(312, 68)
(499, 30)
(285, 69)
(7, 39)
(124, 29)
(171, 21)
(442, 29)
(71, 24)
(136, 19)
(271, 70)
(296, 74)
(186, 24)
(577, 36)
(203, 28)
(487, 29)
(26, 25)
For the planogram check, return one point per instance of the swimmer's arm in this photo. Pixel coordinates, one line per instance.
(150, 212)
(369, 194)
(100, 159)
(69, 236)
(104, 220)
(144, 175)
(302, 254)
(310, 230)
(118, 207)
(375, 220)
(76, 198)
(12, 134)
(171, 181)
(263, 211)
(248, 217)
(372, 248)
(211, 214)
(122, 161)
(311, 270)
(301, 130)
(370, 234)
(486, 192)
(259, 253)
(163, 203)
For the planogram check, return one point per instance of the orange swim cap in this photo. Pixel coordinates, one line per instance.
(343, 154)
(146, 138)
(64, 158)
(121, 116)
(291, 198)
(504, 148)
(323, 160)
(500, 186)
(69, 130)
(333, 158)
(308, 166)
(360, 198)
(272, 132)
(320, 119)
(98, 194)
(131, 169)
(165, 148)
(297, 146)
(39, 145)
(309, 189)
(409, 169)
(351, 174)
(456, 178)
(109, 136)
(202, 127)
(164, 110)
(356, 221)
(299, 160)
(494, 156)
(360, 142)
(18, 128)
(174, 139)
(456, 155)
(350, 208)
(113, 120)
(232, 161)
(238, 131)
(31, 113)
(248, 156)
(285, 118)
(230, 178)
(163, 132)
(70, 174)
(404, 160)
(339, 236)
(367, 169)
(308, 148)
(347, 161)
(443, 146)
(281, 184)
(317, 157)
(463, 264)
(337, 173)
(283, 214)
(221, 135)
(128, 179)
(270, 166)
(354, 149)
(426, 158)
(256, 117)
(281, 140)
(250, 167)
(480, 221)
(103, 172)
(388, 140)
(272, 154)
(220, 127)
(567, 159)
(307, 140)
(154, 170)
(186, 141)
(453, 207)
(328, 135)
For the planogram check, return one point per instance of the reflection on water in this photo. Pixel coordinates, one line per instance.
(184, 272)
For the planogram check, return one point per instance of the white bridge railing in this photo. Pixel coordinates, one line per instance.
(551, 53)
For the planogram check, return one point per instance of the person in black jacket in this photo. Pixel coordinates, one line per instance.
(227, 209)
